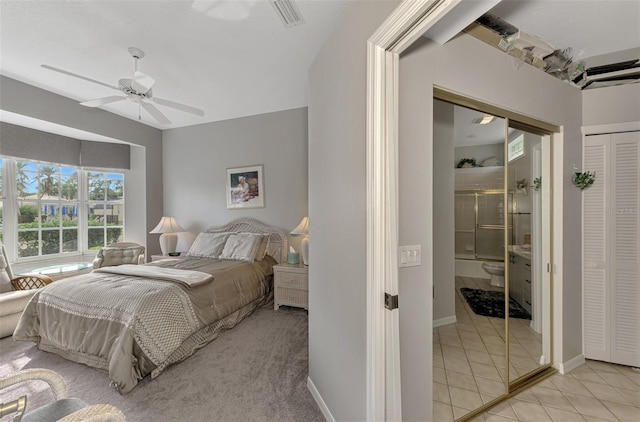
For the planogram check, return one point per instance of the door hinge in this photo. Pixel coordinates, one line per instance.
(390, 302)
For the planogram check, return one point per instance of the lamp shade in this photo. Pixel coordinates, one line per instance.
(167, 225)
(302, 228)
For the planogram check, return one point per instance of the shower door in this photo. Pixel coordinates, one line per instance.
(465, 223)
(490, 225)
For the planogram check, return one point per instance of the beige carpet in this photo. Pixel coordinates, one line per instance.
(254, 372)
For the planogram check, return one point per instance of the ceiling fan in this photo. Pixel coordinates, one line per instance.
(136, 89)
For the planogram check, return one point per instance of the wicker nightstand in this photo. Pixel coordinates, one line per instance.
(291, 286)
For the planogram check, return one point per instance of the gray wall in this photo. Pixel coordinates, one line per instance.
(614, 104)
(496, 80)
(27, 100)
(443, 207)
(337, 160)
(196, 158)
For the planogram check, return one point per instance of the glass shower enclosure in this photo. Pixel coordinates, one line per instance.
(479, 221)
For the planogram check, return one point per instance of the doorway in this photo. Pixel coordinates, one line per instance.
(452, 67)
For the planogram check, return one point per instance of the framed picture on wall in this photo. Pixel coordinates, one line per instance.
(245, 187)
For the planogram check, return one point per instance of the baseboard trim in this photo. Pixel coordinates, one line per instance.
(444, 321)
(323, 406)
(571, 364)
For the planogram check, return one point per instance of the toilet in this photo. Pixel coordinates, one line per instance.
(496, 270)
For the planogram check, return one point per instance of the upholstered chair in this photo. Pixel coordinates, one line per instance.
(118, 254)
(63, 409)
(15, 293)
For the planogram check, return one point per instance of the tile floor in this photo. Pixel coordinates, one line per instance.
(469, 370)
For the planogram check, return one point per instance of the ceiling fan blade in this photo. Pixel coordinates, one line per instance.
(102, 101)
(142, 82)
(178, 106)
(155, 113)
(66, 72)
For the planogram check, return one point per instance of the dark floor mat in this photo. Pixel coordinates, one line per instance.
(491, 304)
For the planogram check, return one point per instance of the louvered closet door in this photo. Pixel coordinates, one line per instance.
(595, 259)
(625, 251)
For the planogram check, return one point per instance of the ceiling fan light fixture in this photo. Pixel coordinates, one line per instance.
(137, 90)
(288, 12)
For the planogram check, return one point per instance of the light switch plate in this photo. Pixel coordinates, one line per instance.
(410, 256)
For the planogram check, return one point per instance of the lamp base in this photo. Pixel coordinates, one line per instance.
(304, 246)
(168, 243)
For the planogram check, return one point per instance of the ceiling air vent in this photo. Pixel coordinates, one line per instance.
(288, 12)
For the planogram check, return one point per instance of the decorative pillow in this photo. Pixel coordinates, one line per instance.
(208, 245)
(264, 246)
(243, 246)
(118, 255)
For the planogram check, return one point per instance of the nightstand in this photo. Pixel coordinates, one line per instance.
(291, 285)
(155, 258)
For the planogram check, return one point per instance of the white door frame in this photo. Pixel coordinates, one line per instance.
(410, 20)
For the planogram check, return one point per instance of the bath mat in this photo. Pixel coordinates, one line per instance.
(491, 304)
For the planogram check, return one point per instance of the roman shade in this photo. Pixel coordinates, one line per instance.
(31, 144)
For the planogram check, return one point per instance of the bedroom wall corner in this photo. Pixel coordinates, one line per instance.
(195, 159)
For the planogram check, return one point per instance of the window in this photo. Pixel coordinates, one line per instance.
(105, 208)
(58, 210)
(516, 148)
(47, 209)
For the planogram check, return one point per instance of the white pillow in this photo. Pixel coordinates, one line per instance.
(208, 245)
(243, 246)
(261, 252)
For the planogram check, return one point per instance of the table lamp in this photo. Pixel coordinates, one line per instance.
(303, 228)
(168, 226)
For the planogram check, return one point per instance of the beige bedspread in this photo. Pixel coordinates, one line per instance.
(132, 326)
(188, 278)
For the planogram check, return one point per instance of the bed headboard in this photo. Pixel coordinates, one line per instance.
(278, 238)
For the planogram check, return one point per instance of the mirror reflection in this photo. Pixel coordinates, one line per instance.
(525, 283)
(491, 314)
(469, 355)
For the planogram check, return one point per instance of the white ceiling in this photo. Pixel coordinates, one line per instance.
(235, 58)
(230, 58)
(589, 27)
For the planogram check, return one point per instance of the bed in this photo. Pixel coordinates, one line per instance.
(135, 320)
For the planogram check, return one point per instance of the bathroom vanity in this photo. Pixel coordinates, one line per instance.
(520, 276)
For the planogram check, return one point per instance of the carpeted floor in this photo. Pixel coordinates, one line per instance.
(491, 304)
(254, 372)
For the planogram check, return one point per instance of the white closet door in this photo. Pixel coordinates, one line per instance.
(625, 251)
(595, 258)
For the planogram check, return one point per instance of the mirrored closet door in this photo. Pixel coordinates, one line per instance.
(500, 340)
(527, 278)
